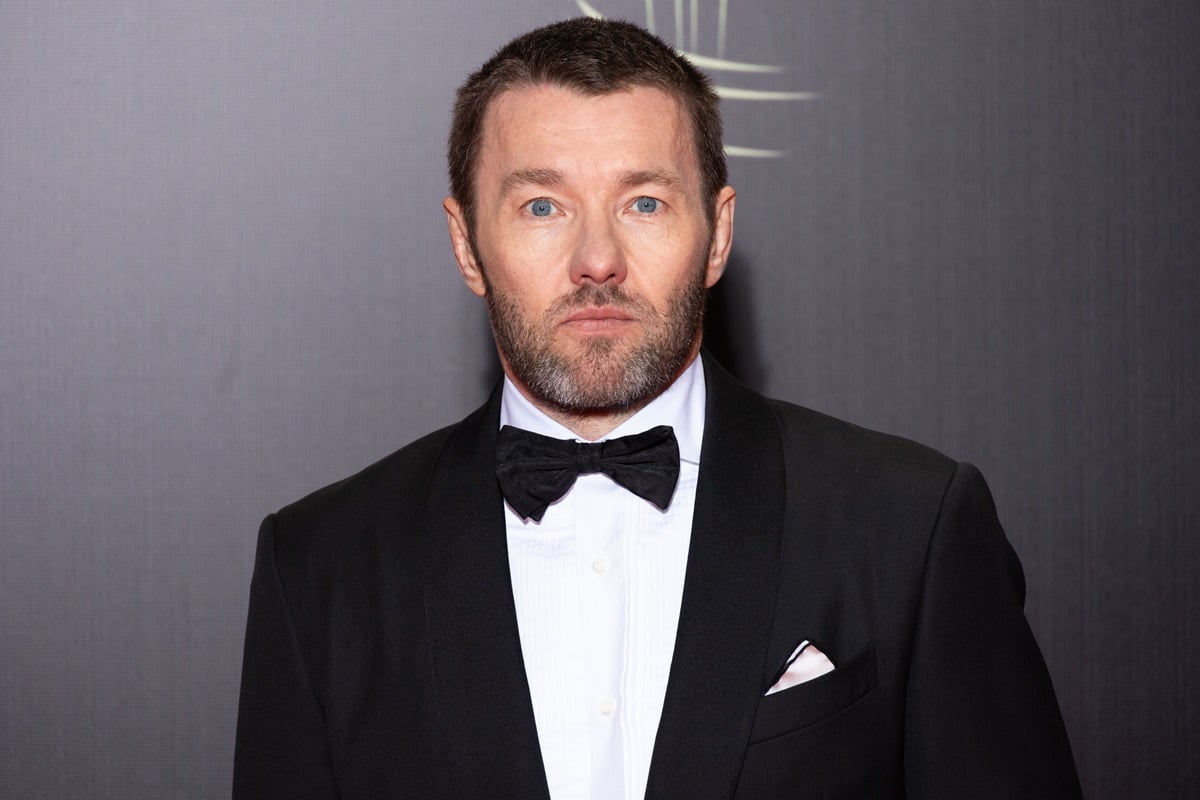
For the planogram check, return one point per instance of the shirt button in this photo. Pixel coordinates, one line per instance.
(607, 706)
(600, 565)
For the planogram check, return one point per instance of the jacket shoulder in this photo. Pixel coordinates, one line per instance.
(824, 451)
(393, 487)
(852, 455)
(836, 437)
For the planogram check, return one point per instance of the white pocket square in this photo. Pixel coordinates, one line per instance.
(805, 663)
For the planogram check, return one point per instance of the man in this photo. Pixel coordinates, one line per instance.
(734, 597)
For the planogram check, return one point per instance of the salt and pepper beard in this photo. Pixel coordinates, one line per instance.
(603, 376)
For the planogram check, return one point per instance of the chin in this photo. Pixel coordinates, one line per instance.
(616, 380)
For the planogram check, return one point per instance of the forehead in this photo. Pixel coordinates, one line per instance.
(551, 127)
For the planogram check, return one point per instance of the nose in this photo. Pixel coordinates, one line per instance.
(599, 253)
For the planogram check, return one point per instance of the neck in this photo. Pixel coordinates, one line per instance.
(590, 425)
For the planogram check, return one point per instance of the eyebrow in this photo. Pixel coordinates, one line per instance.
(643, 177)
(530, 177)
(554, 178)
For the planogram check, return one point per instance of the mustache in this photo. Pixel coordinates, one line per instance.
(609, 294)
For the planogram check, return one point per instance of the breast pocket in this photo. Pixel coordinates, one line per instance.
(815, 700)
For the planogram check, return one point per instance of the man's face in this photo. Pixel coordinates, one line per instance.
(592, 243)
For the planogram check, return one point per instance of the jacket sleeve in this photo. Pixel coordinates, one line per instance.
(981, 717)
(282, 749)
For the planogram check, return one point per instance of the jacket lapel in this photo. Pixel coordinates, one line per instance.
(728, 598)
(482, 694)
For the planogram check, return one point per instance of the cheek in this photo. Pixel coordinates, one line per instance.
(677, 241)
(675, 261)
(528, 255)
(522, 289)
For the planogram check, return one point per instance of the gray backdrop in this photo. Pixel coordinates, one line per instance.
(224, 282)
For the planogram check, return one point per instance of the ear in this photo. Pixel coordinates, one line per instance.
(722, 236)
(464, 253)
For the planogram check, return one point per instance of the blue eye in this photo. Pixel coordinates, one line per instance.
(541, 208)
(646, 205)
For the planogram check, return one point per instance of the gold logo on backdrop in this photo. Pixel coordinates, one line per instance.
(687, 28)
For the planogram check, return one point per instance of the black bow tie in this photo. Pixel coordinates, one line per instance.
(536, 470)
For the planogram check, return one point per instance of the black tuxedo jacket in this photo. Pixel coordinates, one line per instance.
(383, 661)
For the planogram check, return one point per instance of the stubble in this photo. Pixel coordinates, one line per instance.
(599, 374)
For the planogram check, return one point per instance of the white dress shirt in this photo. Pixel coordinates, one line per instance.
(597, 585)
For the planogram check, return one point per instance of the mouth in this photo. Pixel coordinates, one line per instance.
(597, 319)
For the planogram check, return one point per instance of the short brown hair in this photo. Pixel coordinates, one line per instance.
(594, 57)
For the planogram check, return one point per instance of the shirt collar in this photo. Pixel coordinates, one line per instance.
(681, 406)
